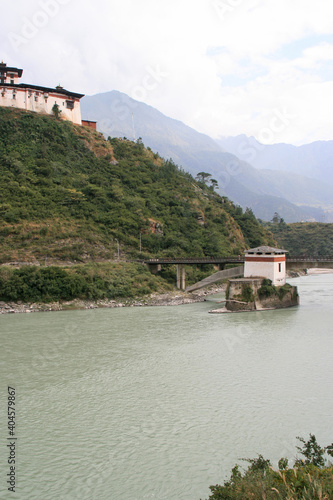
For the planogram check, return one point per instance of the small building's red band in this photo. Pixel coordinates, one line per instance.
(265, 259)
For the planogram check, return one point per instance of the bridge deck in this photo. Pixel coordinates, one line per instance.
(196, 260)
(232, 260)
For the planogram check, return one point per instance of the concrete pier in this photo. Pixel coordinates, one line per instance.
(181, 276)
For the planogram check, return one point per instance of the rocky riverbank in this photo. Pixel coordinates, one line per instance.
(166, 299)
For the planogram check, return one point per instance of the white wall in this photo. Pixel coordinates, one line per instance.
(266, 269)
(40, 102)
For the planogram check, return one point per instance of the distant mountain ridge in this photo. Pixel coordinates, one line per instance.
(119, 115)
(313, 160)
(296, 198)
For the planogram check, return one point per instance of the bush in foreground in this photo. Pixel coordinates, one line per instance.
(310, 478)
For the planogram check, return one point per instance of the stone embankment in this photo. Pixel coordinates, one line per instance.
(165, 299)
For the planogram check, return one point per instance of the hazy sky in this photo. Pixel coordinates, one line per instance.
(224, 67)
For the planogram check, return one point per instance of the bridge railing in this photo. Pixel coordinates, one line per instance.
(308, 258)
(230, 260)
(193, 260)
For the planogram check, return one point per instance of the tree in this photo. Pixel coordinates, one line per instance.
(312, 451)
(56, 111)
(276, 218)
(203, 177)
(214, 184)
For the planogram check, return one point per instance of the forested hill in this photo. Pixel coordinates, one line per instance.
(303, 238)
(68, 194)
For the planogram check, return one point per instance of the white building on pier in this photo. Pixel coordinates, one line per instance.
(266, 262)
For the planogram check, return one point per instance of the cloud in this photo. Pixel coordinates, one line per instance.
(221, 66)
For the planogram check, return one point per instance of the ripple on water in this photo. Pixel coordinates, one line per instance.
(161, 402)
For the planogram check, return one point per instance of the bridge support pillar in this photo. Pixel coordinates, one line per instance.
(155, 268)
(221, 267)
(181, 276)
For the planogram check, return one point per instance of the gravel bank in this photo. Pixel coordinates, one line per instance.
(166, 299)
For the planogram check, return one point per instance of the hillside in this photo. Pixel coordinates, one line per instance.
(263, 190)
(70, 196)
(294, 196)
(308, 238)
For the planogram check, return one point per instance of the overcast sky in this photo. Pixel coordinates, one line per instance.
(224, 67)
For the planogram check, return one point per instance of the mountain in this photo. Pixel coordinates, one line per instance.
(313, 160)
(119, 115)
(294, 197)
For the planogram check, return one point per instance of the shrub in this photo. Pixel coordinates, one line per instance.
(247, 293)
(309, 479)
(30, 284)
(91, 281)
(267, 289)
(283, 290)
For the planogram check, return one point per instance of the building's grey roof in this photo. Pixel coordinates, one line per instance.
(265, 250)
(56, 90)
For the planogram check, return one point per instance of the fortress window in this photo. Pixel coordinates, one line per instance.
(70, 104)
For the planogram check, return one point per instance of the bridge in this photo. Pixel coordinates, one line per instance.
(156, 264)
(292, 262)
(305, 262)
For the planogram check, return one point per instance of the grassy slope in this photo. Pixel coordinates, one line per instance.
(69, 196)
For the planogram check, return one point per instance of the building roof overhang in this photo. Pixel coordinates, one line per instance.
(25, 86)
(8, 69)
(265, 250)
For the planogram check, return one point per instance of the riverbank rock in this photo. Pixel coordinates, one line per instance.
(258, 294)
(166, 299)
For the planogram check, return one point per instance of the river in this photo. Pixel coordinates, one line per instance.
(160, 402)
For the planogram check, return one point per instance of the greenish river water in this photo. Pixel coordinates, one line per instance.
(160, 402)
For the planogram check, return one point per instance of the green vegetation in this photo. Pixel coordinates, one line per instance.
(310, 478)
(70, 196)
(56, 111)
(267, 289)
(247, 293)
(303, 238)
(90, 281)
